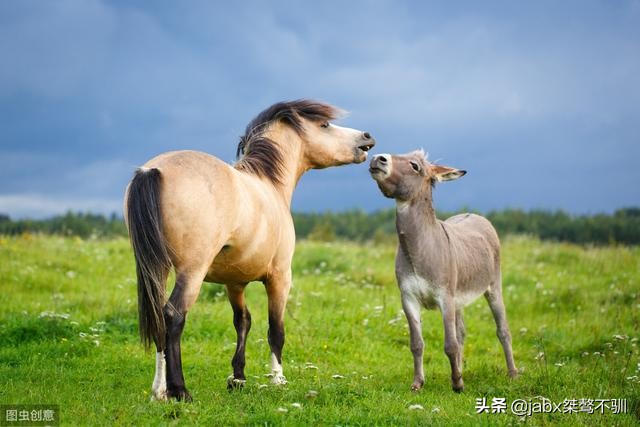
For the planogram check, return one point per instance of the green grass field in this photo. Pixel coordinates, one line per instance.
(68, 336)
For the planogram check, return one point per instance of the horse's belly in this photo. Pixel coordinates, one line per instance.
(229, 267)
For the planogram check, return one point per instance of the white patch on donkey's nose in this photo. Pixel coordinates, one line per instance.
(381, 164)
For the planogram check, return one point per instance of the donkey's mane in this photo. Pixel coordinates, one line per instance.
(259, 154)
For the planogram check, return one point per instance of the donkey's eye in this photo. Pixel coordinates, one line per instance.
(415, 166)
(324, 125)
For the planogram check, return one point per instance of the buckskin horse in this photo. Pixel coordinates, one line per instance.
(214, 222)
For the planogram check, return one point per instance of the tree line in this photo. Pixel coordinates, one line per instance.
(623, 226)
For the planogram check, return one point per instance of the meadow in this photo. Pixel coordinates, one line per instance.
(68, 336)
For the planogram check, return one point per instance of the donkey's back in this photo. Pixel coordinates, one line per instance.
(476, 248)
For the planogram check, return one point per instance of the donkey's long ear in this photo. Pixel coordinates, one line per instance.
(445, 173)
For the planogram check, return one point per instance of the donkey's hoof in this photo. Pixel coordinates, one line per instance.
(516, 373)
(234, 383)
(180, 395)
(457, 385)
(279, 380)
(417, 385)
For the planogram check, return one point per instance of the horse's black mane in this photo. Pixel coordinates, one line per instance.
(260, 155)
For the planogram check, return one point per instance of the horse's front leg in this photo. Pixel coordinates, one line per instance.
(277, 287)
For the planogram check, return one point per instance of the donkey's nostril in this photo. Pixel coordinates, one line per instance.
(366, 135)
(382, 159)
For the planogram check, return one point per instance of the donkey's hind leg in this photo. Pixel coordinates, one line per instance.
(460, 334)
(242, 323)
(494, 298)
(182, 297)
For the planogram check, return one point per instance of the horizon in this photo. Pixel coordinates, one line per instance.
(119, 215)
(539, 102)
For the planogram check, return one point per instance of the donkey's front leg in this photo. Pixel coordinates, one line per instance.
(451, 344)
(411, 309)
(278, 287)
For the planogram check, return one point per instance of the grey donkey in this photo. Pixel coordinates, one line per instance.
(444, 264)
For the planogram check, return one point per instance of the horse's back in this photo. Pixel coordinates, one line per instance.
(197, 191)
(208, 205)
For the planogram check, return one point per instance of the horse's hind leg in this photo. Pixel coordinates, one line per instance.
(159, 387)
(175, 311)
(242, 323)
(494, 298)
(277, 292)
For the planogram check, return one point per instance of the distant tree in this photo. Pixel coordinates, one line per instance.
(322, 232)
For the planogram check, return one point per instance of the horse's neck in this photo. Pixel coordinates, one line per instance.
(294, 167)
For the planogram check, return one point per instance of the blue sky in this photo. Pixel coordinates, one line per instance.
(539, 101)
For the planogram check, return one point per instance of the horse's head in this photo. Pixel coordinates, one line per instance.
(409, 176)
(297, 136)
(326, 144)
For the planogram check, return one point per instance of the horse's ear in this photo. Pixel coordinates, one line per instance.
(445, 173)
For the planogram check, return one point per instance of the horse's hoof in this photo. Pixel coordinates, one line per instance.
(234, 383)
(278, 380)
(180, 395)
(159, 395)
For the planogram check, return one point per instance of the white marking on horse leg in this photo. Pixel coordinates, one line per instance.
(159, 387)
(276, 371)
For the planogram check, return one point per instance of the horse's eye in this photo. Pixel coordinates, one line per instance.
(415, 166)
(324, 125)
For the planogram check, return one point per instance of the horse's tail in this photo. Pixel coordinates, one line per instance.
(144, 222)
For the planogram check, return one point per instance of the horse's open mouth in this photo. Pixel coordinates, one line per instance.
(366, 147)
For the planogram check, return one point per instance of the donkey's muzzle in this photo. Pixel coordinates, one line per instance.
(380, 166)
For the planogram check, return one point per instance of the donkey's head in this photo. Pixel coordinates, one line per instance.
(408, 177)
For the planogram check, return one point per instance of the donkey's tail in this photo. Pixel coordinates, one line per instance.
(144, 222)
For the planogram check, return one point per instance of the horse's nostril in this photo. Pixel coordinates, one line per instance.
(366, 135)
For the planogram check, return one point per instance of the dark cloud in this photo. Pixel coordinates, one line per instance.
(540, 102)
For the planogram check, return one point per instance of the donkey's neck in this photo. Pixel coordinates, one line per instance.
(418, 229)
